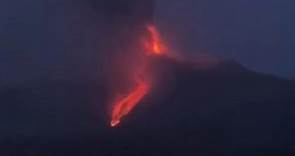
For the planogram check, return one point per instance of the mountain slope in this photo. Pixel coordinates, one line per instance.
(221, 110)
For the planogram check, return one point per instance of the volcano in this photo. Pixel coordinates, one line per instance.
(224, 109)
(202, 106)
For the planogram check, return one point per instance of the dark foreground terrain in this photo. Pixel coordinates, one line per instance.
(222, 110)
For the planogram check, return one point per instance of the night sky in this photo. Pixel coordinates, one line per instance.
(59, 38)
(257, 33)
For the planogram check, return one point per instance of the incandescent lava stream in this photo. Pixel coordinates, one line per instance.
(153, 46)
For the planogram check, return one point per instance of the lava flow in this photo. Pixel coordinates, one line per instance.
(121, 108)
(155, 44)
(124, 106)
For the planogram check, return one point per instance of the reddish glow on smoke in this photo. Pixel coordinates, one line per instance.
(121, 108)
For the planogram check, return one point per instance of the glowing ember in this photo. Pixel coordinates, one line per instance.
(124, 106)
(121, 108)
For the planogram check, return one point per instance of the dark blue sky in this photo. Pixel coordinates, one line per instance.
(58, 39)
(257, 33)
(42, 40)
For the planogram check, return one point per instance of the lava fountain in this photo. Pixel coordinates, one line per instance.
(122, 107)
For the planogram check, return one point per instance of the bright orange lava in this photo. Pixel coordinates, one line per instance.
(121, 108)
(125, 105)
(155, 45)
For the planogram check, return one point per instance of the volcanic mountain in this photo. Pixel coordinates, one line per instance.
(199, 107)
(194, 108)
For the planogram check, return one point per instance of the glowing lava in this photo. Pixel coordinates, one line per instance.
(125, 105)
(155, 45)
(121, 108)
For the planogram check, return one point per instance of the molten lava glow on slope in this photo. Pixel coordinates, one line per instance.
(155, 44)
(122, 107)
(125, 105)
